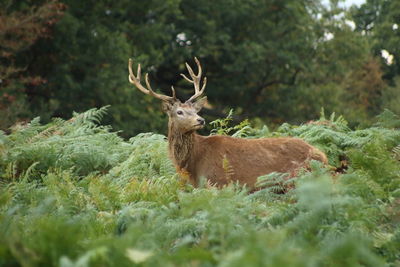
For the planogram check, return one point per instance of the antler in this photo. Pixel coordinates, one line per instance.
(135, 80)
(196, 79)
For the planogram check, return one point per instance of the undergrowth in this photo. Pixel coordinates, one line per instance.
(73, 193)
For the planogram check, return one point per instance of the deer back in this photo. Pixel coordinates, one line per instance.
(223, 159)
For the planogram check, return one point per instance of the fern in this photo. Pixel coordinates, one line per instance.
(73, 193)
(220, 126)
(74, 144)
(396, 152)
(388, 119)
(89, 117)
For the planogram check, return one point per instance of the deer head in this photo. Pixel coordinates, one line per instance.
(183, 116)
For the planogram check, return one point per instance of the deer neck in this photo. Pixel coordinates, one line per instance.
(180, 146)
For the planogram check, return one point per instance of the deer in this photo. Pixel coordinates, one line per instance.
(217, 158)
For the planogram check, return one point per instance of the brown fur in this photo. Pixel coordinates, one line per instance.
(223, 159)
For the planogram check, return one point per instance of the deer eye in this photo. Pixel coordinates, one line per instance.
(179, 112)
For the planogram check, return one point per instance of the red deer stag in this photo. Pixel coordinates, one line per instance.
(222, 159)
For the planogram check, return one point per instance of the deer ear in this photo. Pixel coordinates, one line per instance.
(166, 106)
(199, 104)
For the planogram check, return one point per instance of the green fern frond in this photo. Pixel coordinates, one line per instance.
(396, 152)
(388, 119)
(93, 115)
(73, 192)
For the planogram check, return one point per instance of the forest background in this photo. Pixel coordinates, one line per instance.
(271, 61)
(75, 191)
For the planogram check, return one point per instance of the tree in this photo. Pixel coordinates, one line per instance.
(248, 49)
(268, 59)
(21, 26)
(379, 21)
(85, 63)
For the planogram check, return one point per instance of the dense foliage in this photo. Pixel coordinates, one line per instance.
(271, 60)
(73, 193)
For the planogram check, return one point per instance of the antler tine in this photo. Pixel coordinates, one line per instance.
(135, 80)
(173, 92)
(196, 80)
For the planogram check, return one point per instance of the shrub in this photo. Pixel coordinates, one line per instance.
(73, 193)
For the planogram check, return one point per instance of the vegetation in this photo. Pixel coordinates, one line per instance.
(272, 61)
(73, 193)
